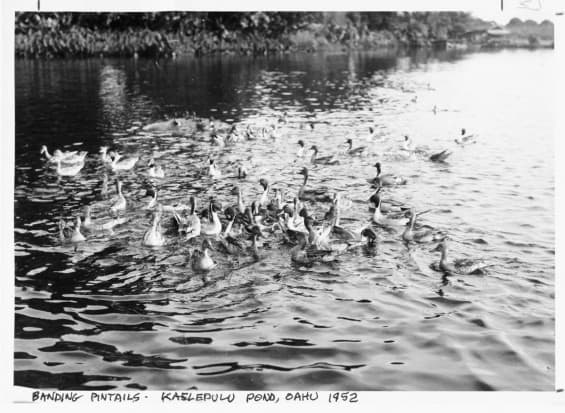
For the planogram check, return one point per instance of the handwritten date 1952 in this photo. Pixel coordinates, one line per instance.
(343, 396)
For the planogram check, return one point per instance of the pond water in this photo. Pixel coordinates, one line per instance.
(114, 314)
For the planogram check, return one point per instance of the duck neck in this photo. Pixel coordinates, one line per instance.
(377, 214)
(77, 227)
(240, 204)
(87, 217)
(46, 152)
(229, 227)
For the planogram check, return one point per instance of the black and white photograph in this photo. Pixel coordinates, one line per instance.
(284, 200)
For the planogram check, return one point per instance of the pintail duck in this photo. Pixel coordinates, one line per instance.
(120, 203)
(304, 254)
(67, 157)
(66, 235)
(92, 225)
(360, 150)
(460, 266)
(264, 199)
(201, 260)
(300, 151)
(319, 195)
(440, 156)
(106, 159)
(213, 170)
(388, 179)
(213, 227)
(155, 171)
(325, 160)
(153, 237)
(125, 164)
(465, 139)
(423, 235)
(70, 170)
(192, 225)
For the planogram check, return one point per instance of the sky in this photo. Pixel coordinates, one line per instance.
(537, 10)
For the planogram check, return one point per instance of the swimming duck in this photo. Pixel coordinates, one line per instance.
(193, 224)
(213, 170)
(387, 206)
(465, 139)
(155, 171)
(214, 227)
(106, 159)
(264, 199)
(371, 236)
(461, 266)
(67, 157)
(388, 179)
(379, 218)
(300, 151)
(325, 160)
(92, 225)
(70, 170)
(361, 150)
(153, 201)
(201, 260)
(120, 203)
(241, 172)
(407, 144)
(422, 235)
(124, 164)
(440, 156)
(68, 236)
(153, 237)
(319, 195)
(320, 238)
(217, 140)
(306, 255)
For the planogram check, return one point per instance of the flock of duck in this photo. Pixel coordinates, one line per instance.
(277, 213)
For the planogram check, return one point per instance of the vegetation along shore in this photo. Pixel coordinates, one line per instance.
(60, 35)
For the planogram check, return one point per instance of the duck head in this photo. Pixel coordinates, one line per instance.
(370, 234)
(304, 172)
(254, 231)
(264, 183)
(378, 166)
(314, 148)
(229, 213)
(301, 143)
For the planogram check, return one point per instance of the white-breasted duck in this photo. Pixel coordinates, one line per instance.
(422, 235)
(387, 179)
(465, 139)
(119, 163)
(120, 203)
(213, 227)
(74, 236)
(153, 237)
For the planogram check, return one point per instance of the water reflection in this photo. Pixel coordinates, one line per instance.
(119, 313)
